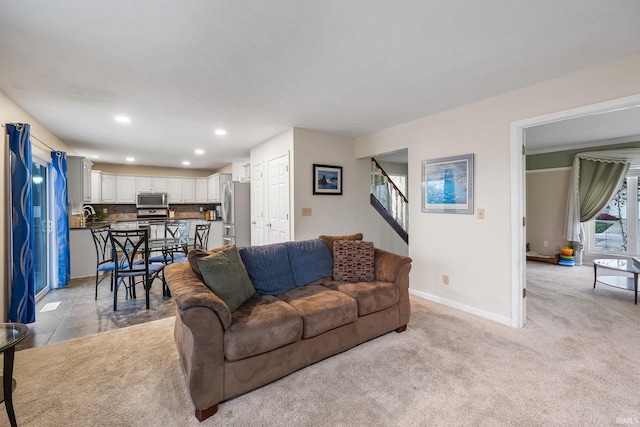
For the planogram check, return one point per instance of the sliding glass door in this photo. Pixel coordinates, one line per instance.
(41, 227)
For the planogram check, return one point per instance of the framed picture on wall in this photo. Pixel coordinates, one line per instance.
(447, 185)
(327, 179)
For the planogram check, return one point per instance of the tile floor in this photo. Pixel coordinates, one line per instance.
(79, 314)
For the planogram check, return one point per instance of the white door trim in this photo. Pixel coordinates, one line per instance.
(518, 193)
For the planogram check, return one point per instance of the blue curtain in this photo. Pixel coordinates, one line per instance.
(23, 302)
(61, 216)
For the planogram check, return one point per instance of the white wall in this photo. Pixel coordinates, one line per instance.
(12, 113)
(336, 215)
(547, 191)
(476, 253)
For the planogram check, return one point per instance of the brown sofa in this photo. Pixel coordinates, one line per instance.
(227, 354)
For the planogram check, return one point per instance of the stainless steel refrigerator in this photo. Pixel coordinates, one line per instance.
(236, 213)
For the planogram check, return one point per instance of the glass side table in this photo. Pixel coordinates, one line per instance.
(10, 335)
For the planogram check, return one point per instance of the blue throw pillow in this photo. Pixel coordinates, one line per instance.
(310, 260)
(268, 268)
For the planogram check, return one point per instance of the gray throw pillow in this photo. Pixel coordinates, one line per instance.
(225, 275)
(195, 254)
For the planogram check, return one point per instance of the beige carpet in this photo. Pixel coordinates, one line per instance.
(576, 363)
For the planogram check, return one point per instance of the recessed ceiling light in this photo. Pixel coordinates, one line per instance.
(221, 132)
(130, 159)
(199, 151)
(186, 163)
(122, 119)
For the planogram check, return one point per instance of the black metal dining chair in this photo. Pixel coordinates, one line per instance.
(131, 250)
(174, 245)
(201, 238)
(104, 255)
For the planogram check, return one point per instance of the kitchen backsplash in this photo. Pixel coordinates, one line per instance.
(128, 212)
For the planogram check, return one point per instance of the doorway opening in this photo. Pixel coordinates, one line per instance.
(522, 145)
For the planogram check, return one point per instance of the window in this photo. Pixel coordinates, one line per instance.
(615, 230)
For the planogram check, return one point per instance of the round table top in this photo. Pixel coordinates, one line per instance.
(11, 334)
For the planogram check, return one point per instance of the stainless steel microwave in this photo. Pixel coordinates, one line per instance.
(152, 200)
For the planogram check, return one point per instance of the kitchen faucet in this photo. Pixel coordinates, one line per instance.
(88, 210)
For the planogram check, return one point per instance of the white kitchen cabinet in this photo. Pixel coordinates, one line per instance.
(188, 190)
(216, 181)
(144, 184)
(108, 188)
(159, 185)
(174, 188)
(78, 181)
(96, 187)
(201, 190)
(181, 190)
(125, 189)
(213, 193)
(151, 184)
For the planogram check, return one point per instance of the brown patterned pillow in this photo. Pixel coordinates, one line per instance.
(330, 239)
(353, 261)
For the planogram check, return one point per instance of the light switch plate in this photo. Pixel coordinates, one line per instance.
(306, 211)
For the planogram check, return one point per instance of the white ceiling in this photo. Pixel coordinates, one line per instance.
(181, 69)
(596, 129)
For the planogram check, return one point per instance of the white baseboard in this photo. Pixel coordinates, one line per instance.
(481, 313)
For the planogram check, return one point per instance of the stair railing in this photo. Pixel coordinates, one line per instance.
(390, 197)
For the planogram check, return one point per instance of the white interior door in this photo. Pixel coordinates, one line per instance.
(278, 205)
(257, 205)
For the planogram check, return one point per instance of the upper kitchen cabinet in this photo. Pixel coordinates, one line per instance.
(144, 184)
(108, 188)
(181, 190)
(159, 185)
(125, 189)
(202, 195)
(150, 184)
(216, 181)
(96, 187)
(78, 181)
(188, 190)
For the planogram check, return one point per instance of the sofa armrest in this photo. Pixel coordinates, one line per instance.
(189, 291)
(388, 265)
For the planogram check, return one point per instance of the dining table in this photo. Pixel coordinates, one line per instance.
(10, 335)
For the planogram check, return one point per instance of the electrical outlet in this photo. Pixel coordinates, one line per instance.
(480, 213)
(201, 209)
(545, 243)
(445, 279)
(104, 210)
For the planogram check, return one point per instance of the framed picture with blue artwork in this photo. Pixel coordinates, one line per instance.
(447, 185)
(327, 179)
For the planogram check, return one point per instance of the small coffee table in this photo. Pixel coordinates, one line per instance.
(622, 282)
(10, 335)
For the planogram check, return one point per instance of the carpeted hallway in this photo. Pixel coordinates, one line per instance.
(575, 363)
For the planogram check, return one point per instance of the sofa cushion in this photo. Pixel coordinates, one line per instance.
(321, 308)
(260, 325)
(353, 261)
(194, 254)
(310, 260)
(370, 296)
(330, 239)
(268, 267)
(225, 275)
